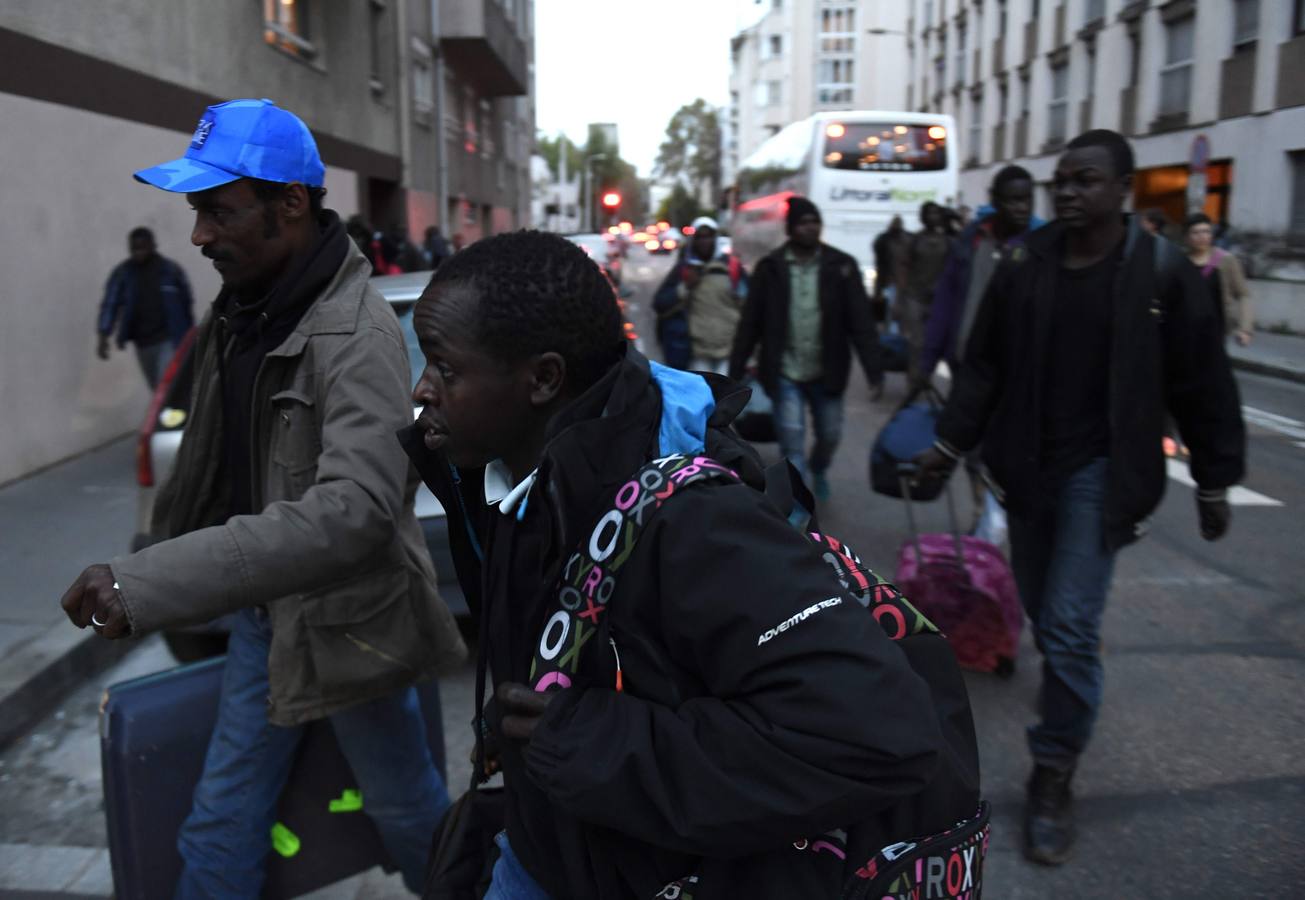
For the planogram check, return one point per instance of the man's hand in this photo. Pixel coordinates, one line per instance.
(102, 349)
(933, 463)
(1215, 516)
(691, 276)
(521, 709)
(94, 600)
(1243, 338)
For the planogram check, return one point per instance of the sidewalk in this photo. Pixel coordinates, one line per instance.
(1276, 355)
(56, 523)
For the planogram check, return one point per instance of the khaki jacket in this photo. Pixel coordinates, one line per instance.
(714, 310)
(336, 555)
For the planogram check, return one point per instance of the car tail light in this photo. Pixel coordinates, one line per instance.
(651, 244)
(144, 464)
(669, 245)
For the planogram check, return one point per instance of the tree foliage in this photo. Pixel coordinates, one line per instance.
(680, 207)
(691, 154)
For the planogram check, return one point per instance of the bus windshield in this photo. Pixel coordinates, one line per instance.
(885, 147)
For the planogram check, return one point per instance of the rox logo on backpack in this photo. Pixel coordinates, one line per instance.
(589, 577)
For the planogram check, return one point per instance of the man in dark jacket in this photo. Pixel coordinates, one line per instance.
(887, 249)
(806, 304)
(698, 736)
(290, 506)
(1082, 340)
(147, 299)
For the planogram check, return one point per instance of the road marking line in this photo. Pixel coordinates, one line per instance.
(1237, 495)
(1274, 422)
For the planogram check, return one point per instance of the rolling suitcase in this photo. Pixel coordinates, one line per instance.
(154, 733)
(965, 587)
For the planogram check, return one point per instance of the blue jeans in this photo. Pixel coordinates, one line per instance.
(1063, 570)
(225, 839)
(511, 881)
(791, 424)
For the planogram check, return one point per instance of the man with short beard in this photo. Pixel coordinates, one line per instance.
(289, 505)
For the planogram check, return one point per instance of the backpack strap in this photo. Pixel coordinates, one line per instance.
(589, 578)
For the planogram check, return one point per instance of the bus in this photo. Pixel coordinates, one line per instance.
(860, 168)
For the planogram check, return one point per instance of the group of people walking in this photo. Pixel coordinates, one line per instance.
(686, 700)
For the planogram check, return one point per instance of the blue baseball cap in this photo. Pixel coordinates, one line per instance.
(242, 139)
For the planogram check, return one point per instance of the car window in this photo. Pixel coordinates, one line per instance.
(415, 358)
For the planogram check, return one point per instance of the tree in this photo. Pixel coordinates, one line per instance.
(551, 150)
(680, 207)
(610, 172)
(690, 154)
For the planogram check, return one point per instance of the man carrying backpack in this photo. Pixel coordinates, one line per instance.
(1084, 338)
(706, 289)
(686, 699)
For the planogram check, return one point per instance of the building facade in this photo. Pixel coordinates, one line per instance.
(423, 112)
(809, 56)
(1022, 77)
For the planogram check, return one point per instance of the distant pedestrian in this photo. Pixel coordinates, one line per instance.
(310, 538)
(1083, 338)
(434, 248)
(888, 248)
(923, 256)
(971, 262)
(459, 241)
(1230, 287)
(707, 288)
(807, 309)
(400, 251)
(1154, 221)
(148, 302)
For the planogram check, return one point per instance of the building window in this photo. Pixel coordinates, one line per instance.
(1298, 19)
(1096, 10)
(1058, 109)
(285, 25)
(776, 45)
(1246, 23)
(375, 12)
(976, 130)
(1001, 18)
(928, 14)
(1003, 102)
(1296, 224)
(1091, 70)
(1176, 75)
(767, 93)
(835, 61)
(1134, 57)
(959, 75)
(423, 84)
(1026, 99)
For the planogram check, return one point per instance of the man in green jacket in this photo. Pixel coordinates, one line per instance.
(289, 504)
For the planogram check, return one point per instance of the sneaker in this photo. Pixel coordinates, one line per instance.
(820, 486)
(1049, 816)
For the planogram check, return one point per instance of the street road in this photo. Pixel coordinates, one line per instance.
(1194, 785)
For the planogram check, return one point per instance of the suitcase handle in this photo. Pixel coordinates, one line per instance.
(904, 472)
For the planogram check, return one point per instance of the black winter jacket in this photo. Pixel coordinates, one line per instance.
(1166, 353)
(722, 751)
(845, 317)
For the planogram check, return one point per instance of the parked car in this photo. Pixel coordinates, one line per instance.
(160, 438)
(668, 241)
(604, 251)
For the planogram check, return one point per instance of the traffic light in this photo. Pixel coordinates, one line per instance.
(611, 200)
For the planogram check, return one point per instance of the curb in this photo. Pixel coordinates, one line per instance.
(1263, 368)
(44, 671)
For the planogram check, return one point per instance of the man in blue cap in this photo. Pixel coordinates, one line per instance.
(289, 505)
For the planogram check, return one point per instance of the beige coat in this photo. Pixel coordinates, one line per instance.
(1238, 313)
(713, 309)
(336, 555)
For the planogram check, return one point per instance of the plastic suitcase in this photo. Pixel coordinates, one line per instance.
(964, 586)
(905, 436)
(154, 732)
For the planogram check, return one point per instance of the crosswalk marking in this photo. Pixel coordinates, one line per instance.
(1274, 422)
(1237, 495)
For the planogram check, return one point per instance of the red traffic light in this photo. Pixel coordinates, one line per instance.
(611, 200)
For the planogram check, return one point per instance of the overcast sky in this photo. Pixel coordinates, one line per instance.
(632, 63)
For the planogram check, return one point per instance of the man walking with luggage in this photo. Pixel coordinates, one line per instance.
(707, 288)
(148, 302)
(289, 505)
(806, 304)
(1083, 339)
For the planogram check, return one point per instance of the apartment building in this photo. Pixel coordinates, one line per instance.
(808, 56)
(1210, 92)
(423, 112)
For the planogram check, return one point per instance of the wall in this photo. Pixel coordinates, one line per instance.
(57, 396)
